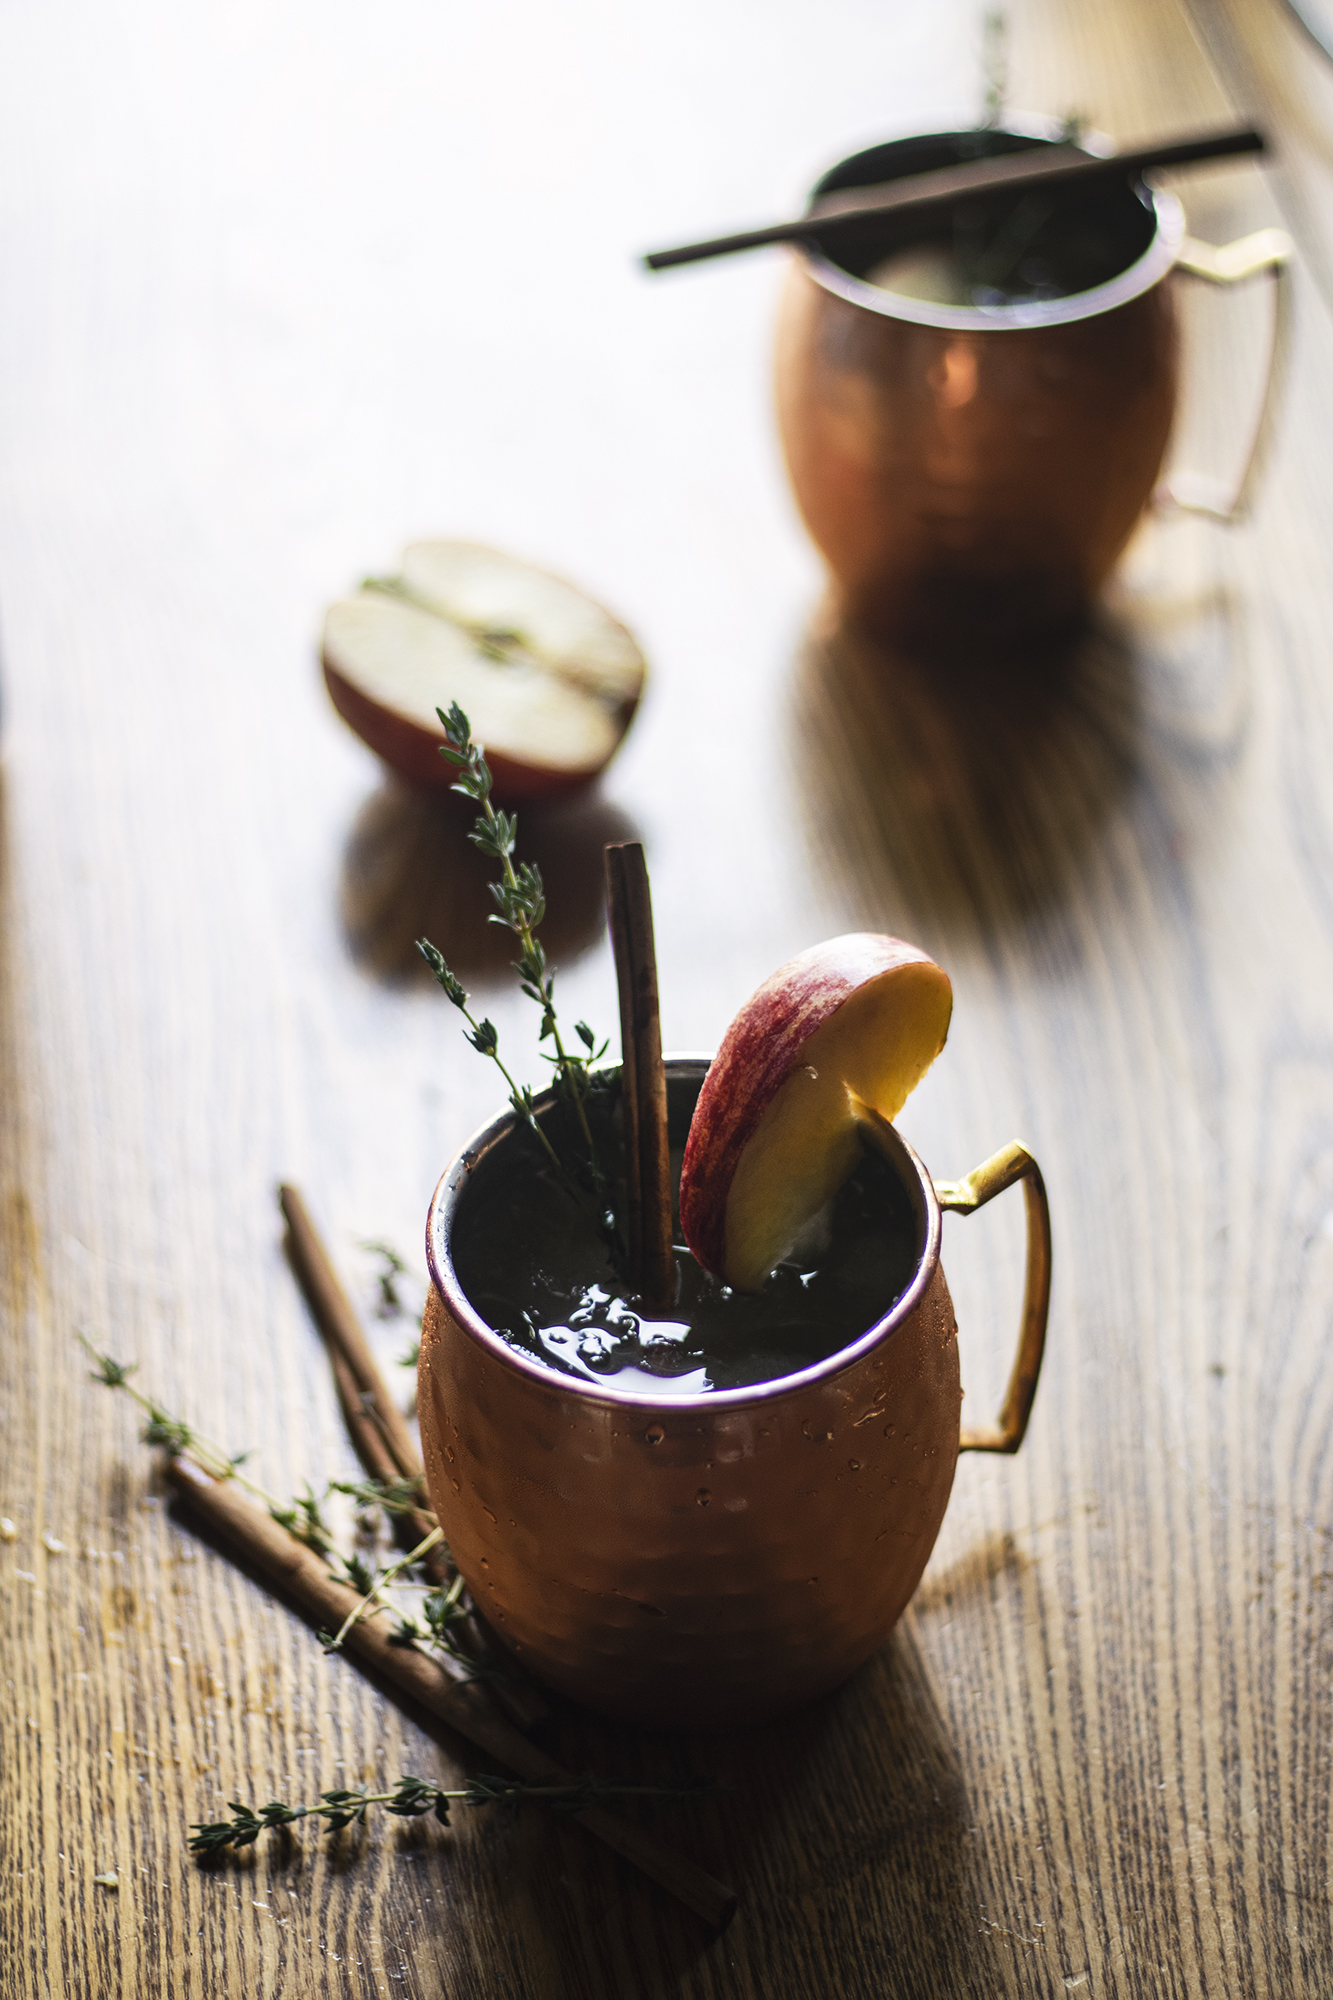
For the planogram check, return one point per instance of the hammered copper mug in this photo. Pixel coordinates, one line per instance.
(717, 1559)
(971, 473)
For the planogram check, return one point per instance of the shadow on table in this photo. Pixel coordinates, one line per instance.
(409, 871)
(844, 1828)
(971, 788)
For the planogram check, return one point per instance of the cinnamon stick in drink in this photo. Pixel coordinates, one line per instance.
(643, 1078)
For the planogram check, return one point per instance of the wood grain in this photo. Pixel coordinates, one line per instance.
(266, 319)
(298, 1576)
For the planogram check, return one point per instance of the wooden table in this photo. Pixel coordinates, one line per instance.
(287, 285)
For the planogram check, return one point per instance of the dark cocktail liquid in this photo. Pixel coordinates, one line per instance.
(531, 1260)
(1022, 259)
(996, 250)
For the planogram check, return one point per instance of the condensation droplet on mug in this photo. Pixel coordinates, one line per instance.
(702, 1497)
(454, 1483)
(889, 1430)
(489, 1516)
(449, 1453)
(855, 1464)
(654, 1434)
(484, 1563)
(812, 1579)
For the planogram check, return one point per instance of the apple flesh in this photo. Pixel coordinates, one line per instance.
(548, 679)
(855, 1021)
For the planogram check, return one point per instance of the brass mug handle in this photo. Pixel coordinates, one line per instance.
(992, 1177)
(1268, 250)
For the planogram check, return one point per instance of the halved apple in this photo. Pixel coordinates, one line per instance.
(857, 1020)
(548, 679)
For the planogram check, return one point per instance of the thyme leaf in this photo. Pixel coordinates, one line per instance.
(520, 900)
(390, 1303)
(412, 1798)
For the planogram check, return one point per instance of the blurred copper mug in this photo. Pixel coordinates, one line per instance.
(971, 472)
(705, 1561)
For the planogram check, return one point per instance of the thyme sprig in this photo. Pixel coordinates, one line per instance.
(372, 1587)
(411, 1798)
(399, 1496)
(304, 1518)
(442, 1610)
(390, 1304)
(169, 1432)
(485, 1039)
(521, 902)
(521, 905)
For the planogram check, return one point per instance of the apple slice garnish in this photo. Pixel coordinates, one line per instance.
(548, 679)
(856, 1021)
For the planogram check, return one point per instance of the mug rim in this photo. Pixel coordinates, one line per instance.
(439, 1261)
(1147, 270)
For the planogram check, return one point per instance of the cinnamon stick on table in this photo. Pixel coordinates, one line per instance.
(643, 1078)
(290, 1567)
(341, 1328)
(379, 1431)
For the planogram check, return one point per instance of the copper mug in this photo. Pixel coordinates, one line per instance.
(971, 473)
(703, 1561)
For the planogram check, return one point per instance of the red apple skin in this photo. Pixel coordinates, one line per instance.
(414, 752)
(760, 1050)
